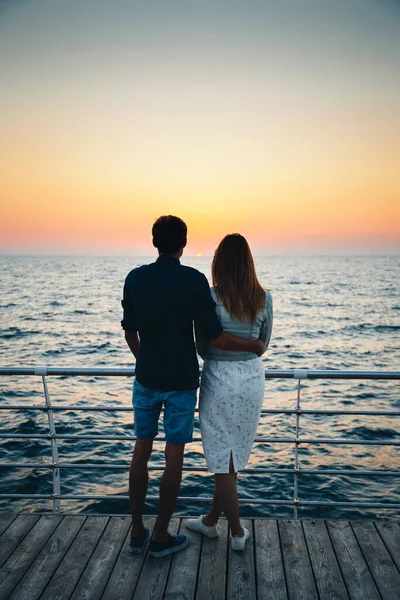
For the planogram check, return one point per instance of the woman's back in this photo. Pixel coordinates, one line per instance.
(261, 327)
(232, 383)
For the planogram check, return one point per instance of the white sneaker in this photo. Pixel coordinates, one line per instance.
(238, 543)
(210, 531)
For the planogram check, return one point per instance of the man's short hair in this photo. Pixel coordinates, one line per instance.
(169, 234)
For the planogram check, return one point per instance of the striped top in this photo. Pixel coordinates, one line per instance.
(261, 327)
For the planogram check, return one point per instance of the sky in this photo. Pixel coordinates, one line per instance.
(277, 120)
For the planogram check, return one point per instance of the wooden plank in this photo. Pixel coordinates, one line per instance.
(182, 578)
(327, 573)
(299, 576)
(383, 569)
(125, 575)
(390, 533)
(102, 561)
(23, 556)
(64, 580)
(241, 572)
(357, 577)
(271, 584)
(41, 571)
(5, 520)
(154, 575)
(212, 573)
(15, 533)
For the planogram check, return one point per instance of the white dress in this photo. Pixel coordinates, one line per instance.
(232, 392)
(231, 396)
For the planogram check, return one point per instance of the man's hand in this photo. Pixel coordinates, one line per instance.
(260, 347)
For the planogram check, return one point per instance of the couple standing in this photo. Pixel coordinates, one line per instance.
(233, 321)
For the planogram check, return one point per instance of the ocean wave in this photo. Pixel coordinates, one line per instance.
(16, 332)
(94, 349)
(18, 393)
(368, 328)
(386, 328)
(31, 425)
(56, 352)
(371, 433)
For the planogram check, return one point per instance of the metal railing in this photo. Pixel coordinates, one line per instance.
(298, 374)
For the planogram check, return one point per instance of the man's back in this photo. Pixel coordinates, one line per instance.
(161, 301)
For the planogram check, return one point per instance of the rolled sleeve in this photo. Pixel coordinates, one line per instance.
(129, 322)
(205, 318)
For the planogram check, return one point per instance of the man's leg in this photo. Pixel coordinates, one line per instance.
(147, 407)
(169, 489)
(138, 480)
(178, 426)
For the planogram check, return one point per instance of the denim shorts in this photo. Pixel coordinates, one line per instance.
(178, 413)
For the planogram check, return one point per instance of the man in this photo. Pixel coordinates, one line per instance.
(162, 301)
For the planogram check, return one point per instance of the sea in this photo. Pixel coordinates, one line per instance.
(330, 312)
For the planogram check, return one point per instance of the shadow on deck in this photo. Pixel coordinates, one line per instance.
(52, 557)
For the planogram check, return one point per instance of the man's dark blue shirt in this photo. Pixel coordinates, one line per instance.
(161, 302)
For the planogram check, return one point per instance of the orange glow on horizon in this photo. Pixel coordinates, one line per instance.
(51, 212)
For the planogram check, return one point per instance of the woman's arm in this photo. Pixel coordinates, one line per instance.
(266, 326)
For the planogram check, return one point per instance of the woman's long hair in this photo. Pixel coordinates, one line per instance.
(234, 278)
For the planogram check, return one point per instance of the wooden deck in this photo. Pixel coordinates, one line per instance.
(52, 557)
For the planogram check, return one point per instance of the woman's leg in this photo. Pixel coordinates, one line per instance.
(225, 499)
(226, 489)
(215, 511)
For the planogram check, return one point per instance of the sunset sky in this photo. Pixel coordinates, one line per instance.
(276, 119)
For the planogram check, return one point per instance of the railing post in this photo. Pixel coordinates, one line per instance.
(297, 374)
(54, 449)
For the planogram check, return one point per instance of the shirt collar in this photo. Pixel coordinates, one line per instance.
(167, 260)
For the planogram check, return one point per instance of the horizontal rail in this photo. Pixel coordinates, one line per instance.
(269, 374)
(264, 411)
(269, 440)
(195, 469)
(295, 471)
(387, 505)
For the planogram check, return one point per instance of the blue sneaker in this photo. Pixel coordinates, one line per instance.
(174, 544)
(136, 545)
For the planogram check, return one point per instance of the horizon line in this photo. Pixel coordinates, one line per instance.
(255, 255)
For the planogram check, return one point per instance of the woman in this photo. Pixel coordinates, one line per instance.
(232, 383)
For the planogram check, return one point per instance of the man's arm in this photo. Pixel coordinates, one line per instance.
(129, 322)
(132, 339)
(207, 323)
(227, 341)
